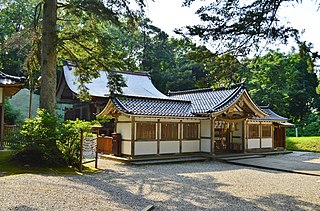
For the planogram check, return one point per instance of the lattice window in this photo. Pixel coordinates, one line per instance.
(146, 131)
(169, 131)
(266, 131)
(254, 131)
(190, 131)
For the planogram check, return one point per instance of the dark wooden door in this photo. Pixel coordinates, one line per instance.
(280, 137)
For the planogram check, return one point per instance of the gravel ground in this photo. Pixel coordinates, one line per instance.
(184, 186)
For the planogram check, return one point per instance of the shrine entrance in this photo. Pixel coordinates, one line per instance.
(228, 137)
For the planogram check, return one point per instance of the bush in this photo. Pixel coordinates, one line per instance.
(69, 140)
(39, 136)
(310, 126)
(11, 115)
(50, 142)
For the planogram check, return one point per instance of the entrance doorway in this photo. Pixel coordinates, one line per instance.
(228, 137)
(222, 140)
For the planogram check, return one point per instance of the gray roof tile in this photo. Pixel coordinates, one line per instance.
(6, 79)
(208, 100)
(153, 107)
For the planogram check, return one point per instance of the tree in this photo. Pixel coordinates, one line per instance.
(16, 18)
(285, 82)
(94, 9)
(238, 27)
(49, 56)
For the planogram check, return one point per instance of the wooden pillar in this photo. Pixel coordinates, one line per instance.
(260, 134)
(2, 116)
(180, 137)
(199, 136)
(212, 141)
(284, 137)
(245, 136)
(158, 136)
(132, 134)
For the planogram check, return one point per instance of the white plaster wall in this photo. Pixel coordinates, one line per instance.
(253, 143)
(145, 148)
(205, 145)
(266, 143)
(126, 147)
(190, 146)
(124, 129)
(169, 147)
(205, 128)
(123, 118)
(142, 119)
(170, 120)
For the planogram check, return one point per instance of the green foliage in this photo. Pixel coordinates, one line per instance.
(50, 142)
(11, 115)
(39, 136)
(69, 140)
(239, 26)
(311, 144)
(15, 19)
(285, 82)
(309, 126)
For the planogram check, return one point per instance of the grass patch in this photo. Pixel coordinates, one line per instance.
(8, 167)
(310, 144)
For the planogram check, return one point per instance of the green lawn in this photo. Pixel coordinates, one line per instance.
(7, 167)
(311, 144)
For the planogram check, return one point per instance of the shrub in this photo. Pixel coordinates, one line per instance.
(11, 115)
(310, 126)
(39, 136)
(69, 140)
(50, 142)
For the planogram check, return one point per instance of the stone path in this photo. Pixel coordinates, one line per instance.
(297, 162)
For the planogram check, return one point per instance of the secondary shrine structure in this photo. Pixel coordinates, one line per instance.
(9, 86)
(208, 121)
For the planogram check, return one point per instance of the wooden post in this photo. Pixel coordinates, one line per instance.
(81, 149)
(180, 137)
(132, 135)
(158, 136)
(96, 158)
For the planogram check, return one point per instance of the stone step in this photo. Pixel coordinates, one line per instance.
(239, 157)
(171, 160)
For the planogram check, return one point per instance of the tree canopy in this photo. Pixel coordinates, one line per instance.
(240, 27)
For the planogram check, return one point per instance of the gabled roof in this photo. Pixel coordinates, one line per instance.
(138, 84)
(12, 84)
(209, 100)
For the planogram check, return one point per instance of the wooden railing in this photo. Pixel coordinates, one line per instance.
(9, 133)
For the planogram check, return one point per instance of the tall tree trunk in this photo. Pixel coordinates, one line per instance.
(49, 56)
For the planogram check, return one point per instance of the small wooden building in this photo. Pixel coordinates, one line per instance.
(207, 121)
(9, 86)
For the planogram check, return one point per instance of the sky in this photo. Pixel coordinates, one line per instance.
(168, 15)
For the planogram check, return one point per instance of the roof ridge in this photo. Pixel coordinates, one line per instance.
(153, 98)
(12, 77)
(234, 93)
(142, 73)
(172, 93)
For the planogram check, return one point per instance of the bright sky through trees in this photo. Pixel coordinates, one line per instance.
(168, 15)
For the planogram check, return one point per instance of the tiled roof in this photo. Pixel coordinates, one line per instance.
(208, 100)
(153, 107)
(6, 79)
(138, 83)
(272, 115)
